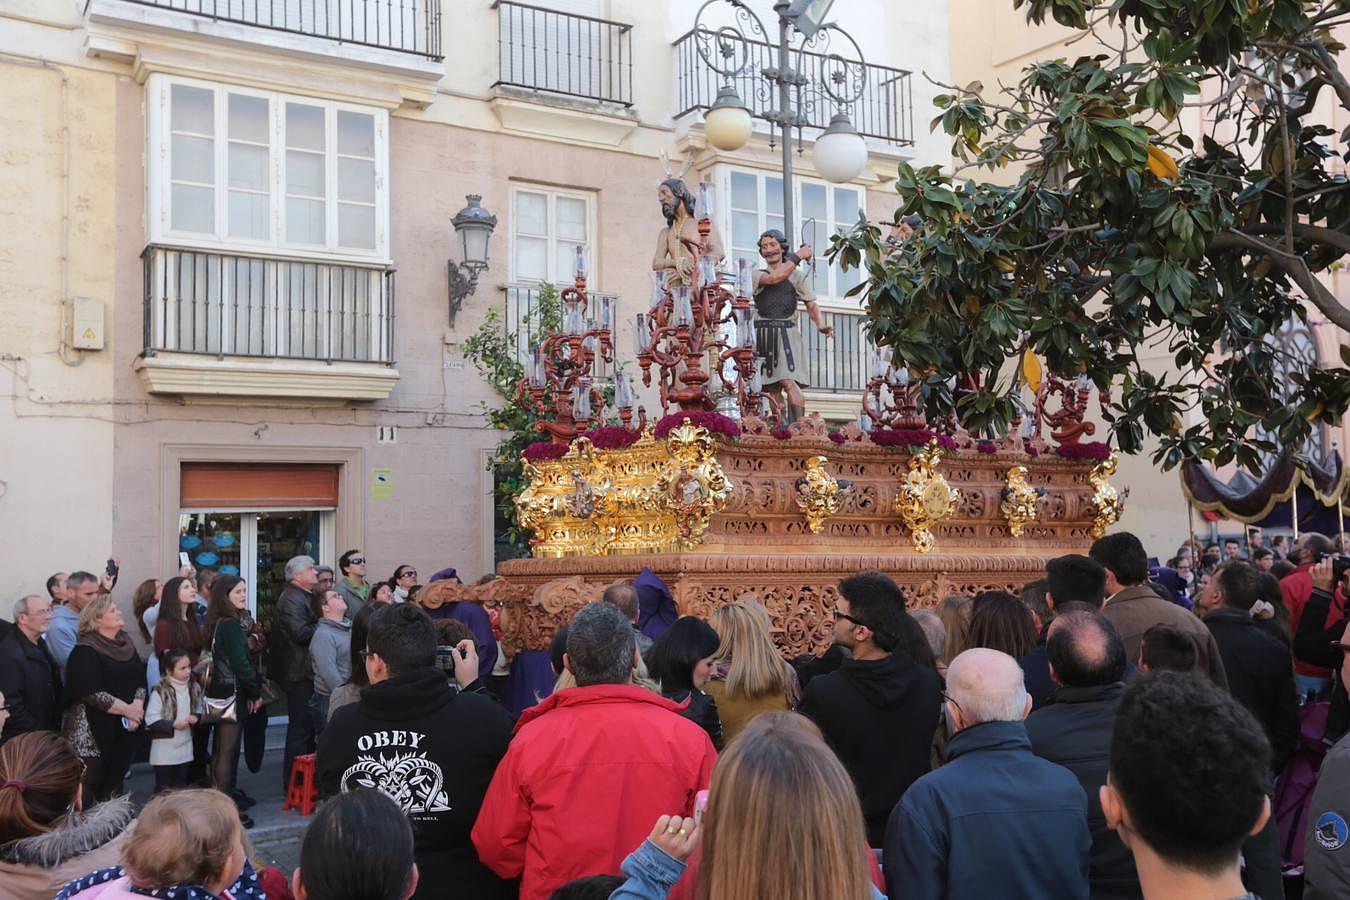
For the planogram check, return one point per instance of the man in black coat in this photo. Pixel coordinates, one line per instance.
(295, 624)
(1071, 579)
(879, 709)
(1087, 659)
(1260, 671)
(29, 677)
(430, 746)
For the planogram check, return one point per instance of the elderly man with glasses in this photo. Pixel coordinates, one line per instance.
(30, 679)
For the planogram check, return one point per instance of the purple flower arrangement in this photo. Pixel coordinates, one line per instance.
(838, 438)
(612, 437)
(1095, 451)
(714, 422)
(782, 434)
(542, 450)
(985, 447)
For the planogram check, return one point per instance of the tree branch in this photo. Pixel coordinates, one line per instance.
(1293, 265)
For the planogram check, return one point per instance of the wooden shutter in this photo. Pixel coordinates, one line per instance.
(257, 486)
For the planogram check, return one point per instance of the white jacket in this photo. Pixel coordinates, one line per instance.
(177, 749)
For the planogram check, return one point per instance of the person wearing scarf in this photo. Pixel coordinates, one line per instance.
(105, 699)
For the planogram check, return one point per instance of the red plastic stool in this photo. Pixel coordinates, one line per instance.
(302, 791)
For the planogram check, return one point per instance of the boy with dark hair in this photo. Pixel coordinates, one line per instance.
(1075, 578)
(1164, 648)
(1188, 783)
(417, 738)
(1133, 607)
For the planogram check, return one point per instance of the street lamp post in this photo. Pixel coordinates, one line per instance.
(840, 153)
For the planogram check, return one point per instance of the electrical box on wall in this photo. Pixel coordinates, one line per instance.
(87, 324)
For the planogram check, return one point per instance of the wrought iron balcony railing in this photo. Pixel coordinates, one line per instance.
(228, 304)
(408, 26)
(885, 111)
(522, 320)
(840, 363)
(564, 54)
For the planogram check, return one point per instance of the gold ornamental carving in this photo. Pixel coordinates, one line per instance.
(1021, 501)
(692, 485)
(819, 494)
(1106, 502)
(925, 497)
(634, 517)
(560, 501)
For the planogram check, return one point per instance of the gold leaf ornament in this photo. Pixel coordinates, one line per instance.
(925, 497)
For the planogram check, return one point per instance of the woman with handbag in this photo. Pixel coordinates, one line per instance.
(233, 687)
(105, 697)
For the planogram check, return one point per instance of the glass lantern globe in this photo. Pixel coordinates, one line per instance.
(840, 154)
(727, 123)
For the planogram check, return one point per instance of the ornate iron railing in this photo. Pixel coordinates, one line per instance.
(521, 319)
(408, 26)
(885, 110)
(560, 53)
(839, 363)
(229, 304)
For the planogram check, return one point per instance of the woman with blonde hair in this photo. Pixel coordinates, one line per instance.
(954, 611)
(185, 844)
(47, 837)
(783, 821)
(105, 699)
(750, 676)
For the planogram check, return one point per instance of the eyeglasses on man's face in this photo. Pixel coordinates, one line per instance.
(843, 615)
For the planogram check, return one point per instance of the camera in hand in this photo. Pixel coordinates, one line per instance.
(1340, 564)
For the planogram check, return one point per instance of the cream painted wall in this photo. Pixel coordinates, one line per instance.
(56, 434)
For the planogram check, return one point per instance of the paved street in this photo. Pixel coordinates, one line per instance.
(276, 834)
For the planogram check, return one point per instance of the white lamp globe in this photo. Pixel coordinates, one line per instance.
(727, 123)
(840, 154)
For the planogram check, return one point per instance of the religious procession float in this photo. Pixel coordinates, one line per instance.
(726, 495)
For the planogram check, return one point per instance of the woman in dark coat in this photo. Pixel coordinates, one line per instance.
(233, 674)
(105, 699)
(682, 660)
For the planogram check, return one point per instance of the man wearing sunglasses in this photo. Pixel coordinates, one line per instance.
(353, 585)
(879, 710)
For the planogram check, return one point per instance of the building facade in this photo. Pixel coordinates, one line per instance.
(225, 323)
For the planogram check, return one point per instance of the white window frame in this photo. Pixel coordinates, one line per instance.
(159, 170)
(592, 246)
(722, 180)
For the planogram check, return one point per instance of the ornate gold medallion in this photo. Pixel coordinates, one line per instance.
(925, 497)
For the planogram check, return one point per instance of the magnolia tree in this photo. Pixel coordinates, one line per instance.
(1126, 236)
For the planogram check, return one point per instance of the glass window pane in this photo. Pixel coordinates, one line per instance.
(305, 221)
(843, 281)
(564, 264)
(248, 119)
(531, 262)
(744, 191)
(248, 215)
(773, 196)
(248, 166)
(813, 206)
(531, 213)
(304, 126)
(193, 209)
(192, 109)
(304, 174)
(773, 222)
(356, 134)
(356, 180)
(356, 226)
(845, 207)
(571, 214)
(193, 159)
(744, 230)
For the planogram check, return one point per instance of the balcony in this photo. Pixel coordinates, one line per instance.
(563, 75)
(521, 322)
(237, 325)
(837, 364)
(406, 26)
(884, 112)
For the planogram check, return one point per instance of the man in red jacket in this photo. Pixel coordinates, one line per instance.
(590, 768)
(1297, 588)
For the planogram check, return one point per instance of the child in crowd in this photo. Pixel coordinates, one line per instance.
(175, 706)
